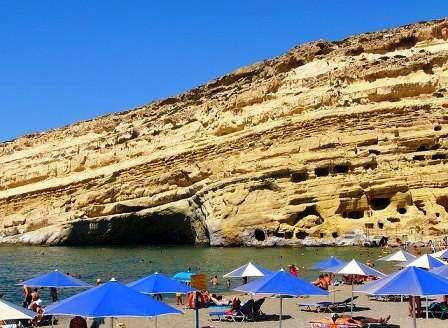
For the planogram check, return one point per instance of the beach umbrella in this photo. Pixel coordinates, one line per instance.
(426, 262)
(399, 256)
(159, 284)
(111, 300)
(9, 311)
(55, 279)
(332, 261)
(443, 254)
(411, 281)
(281, 283)
(184, 276)
(354, 268)
(248, 270)
(441, 271)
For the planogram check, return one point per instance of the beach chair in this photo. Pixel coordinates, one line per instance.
(245, 313)
(342, 306)
(438, 310)
(316, 307)
(256, 310)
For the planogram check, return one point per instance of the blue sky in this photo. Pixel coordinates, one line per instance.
(63, 61)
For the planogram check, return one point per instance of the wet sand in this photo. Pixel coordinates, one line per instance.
(293, 316)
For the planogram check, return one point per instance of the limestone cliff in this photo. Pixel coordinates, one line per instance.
(331, 140)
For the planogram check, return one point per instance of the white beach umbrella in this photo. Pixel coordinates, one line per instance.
(355, 268)
(426, 262)
(9, 311)
(399, 256)
(248, 270)
(443, 254)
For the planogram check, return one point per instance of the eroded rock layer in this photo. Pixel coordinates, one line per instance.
(333, 141)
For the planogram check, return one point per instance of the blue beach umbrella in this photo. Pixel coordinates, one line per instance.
(281, 283)
(184, 276)
(412, 281)
(159, 284)
(248, 270)
(111, 300)
(441, 271)
(332, 261)
(55, 279)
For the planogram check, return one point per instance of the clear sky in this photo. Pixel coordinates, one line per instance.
(63, 61)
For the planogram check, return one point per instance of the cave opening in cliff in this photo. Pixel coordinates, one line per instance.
(154, 228)
(299, 176)
(402, 210)
(443, 201)
(379, 204)
(370, 166)
(301, 234)
(374, 152)
(438, 156)
(380, 225)
(437, 128)
(321, 171)
(353, 215)
(341, 168)
(423, 148)
(309, 211)
(259, 235)
(418, 158)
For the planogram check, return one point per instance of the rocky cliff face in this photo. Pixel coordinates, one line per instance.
(331, 140)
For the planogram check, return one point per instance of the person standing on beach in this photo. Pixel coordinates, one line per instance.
(54, 294)
(293, 270)
(26, 296)
(179, 300)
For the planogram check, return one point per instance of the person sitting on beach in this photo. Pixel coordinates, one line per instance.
(218, 300)
(321, 282)
(36, 306)
(78, 322)
(327, 279)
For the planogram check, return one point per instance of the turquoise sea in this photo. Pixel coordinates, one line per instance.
(128, 263)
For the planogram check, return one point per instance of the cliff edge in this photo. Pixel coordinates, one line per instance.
(332, 141)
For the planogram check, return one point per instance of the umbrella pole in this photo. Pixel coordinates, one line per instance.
(427, 315)
(155, 322)
(196, 305)
(281, 311)
(351, 302)
(112, 322)
(413, 312)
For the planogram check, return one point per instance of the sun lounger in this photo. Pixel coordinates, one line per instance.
(329, 306)
(344, 305)
(245, 313)
(438, 310)
(317, 307)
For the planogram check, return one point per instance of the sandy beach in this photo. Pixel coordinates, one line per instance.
(293, 316)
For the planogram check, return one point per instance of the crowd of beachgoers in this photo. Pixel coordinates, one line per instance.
(256, 288)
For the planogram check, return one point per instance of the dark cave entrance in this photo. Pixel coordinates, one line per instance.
(161, 228)
(379, 204)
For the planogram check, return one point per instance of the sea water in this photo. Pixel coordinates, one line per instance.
(128, 263)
